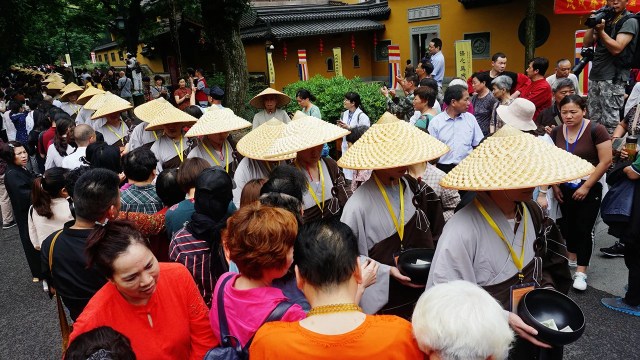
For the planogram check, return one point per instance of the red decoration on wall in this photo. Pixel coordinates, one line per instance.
(321, 46)
(375, 39)
(284, 50)
(583, 7)
(353, 43)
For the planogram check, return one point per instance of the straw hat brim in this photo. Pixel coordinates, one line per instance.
(511, 159)
(392, 144)
(258, 100)
(217, 121)
(112, 104)
(305, 133)
(95, 102)
(170, 115)
(514, 121)
(56, 85)
(72, 88)
(88, 94)
(256, 143)
(150, 110)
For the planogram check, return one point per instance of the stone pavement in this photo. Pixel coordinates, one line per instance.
(29, 324)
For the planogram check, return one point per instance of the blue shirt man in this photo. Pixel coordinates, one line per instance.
(437, 60)
(456, 128)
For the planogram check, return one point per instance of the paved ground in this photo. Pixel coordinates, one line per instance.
(29, 325)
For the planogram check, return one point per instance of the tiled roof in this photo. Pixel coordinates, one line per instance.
(283, 22)
(298, 29)
(106, 46)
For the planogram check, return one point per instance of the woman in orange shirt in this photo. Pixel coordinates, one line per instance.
(328, 272)
(156, 305)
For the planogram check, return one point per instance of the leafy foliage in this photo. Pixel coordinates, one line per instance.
(329, 93)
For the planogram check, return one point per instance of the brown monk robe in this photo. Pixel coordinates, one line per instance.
(369, 217)
(327, 191)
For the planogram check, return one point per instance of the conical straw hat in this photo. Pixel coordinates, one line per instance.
(149, 110)
(298, 115)
(55, 85)
(96, 101)
(391, 143)
(305, 133)
(387, 118)
(170, 115)
(88, 94)
(255, 144)
(112, 104)
(71, 88)
(258, 102)
(52, 78)
(511, 159)
(217, 121)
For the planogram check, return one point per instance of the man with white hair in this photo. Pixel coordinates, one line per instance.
(460, 321)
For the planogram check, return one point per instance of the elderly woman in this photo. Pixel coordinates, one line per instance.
(500, 86)
(198, 244)
(270, 101)
(18, 180)
(459, 320)
(550, 117)
(259, 240)
(328, 272)
(483, 100)
(156, 305)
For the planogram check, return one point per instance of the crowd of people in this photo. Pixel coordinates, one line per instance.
(168, 231)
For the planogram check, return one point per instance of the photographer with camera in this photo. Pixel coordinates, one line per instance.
(615, 33)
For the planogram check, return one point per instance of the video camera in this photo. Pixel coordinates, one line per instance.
(605, 13)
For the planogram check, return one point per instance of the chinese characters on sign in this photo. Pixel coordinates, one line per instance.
(463, 58)
(272, 70)
(583, 7)
(424, 13)
(337, 61)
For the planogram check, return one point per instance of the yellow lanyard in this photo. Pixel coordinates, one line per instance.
(518, 262)
(226, 155)
(155, 135)
(399, 226)
(181, 151)
(313, 193)
(121, 138)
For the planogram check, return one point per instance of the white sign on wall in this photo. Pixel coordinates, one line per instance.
(424, 13)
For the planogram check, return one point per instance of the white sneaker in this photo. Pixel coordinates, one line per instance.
(45, 286)
(573, 263)
(580, 281)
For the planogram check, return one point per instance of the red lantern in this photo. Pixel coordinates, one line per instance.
(353, 43)
(321, 46)
(284, 50)
(375, 39)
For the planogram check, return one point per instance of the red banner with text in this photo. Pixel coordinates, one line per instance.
(582, 7)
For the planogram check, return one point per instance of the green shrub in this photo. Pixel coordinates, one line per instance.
(329, 93)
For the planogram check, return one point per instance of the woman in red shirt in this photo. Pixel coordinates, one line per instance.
(156, 305)
(182, 95)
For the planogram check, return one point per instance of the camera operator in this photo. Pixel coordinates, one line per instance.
(608, 73)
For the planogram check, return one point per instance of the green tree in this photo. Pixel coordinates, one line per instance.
(222, 25)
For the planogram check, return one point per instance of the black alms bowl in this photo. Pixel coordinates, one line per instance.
(407, 264)
(543, 304)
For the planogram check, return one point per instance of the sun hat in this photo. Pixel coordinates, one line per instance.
(217, 121)
(149, 110)
(518, 114)
(511, 159)
(95, 102)
(52, 78)
(304, 133)
(112, 104)
(281, 98)
(55, 85)
(71, 88)
(298, 115)
(391, 143)
(88, 94)
(255, 144)
(170, 115)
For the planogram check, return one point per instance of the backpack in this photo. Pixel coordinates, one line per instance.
(230, 348)
(630, 56)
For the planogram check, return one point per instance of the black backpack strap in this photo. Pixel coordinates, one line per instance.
(277, 314)
(225, 337)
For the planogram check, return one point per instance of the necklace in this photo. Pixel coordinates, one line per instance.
(333, 308)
